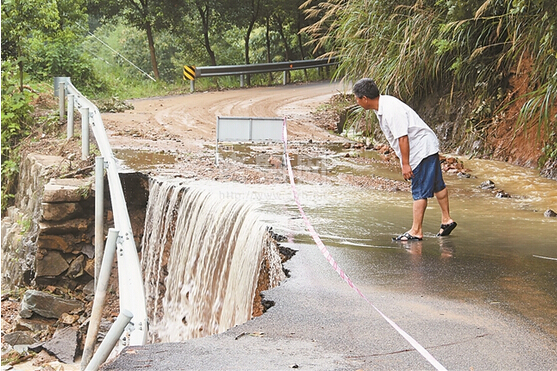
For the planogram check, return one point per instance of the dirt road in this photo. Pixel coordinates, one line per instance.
(187, 122)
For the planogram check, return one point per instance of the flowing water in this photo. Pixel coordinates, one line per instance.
(201, 257)
(503, 253)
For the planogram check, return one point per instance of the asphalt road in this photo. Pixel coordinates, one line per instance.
(319, 323)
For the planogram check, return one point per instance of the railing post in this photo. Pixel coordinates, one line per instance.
(62, 100)
(99, 215)
(283, 77)
(241, 81)
(84, 133)
(100, 295)
(71, 108)
(110, 340)
(192, 86)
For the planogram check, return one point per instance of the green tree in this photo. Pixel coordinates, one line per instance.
(22, 22)
(16, 125)
(142, 14)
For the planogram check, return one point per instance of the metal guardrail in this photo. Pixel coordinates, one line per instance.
(246, 69)
(131, 290)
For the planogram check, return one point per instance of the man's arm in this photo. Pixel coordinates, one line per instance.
(405, 153)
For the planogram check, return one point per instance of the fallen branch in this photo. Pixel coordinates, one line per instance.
(76, 172)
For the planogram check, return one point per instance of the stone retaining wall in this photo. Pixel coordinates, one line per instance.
(48, 234)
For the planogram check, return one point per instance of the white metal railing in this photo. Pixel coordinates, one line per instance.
(131, 290)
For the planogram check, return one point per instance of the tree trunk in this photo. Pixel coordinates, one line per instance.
(154, 64)
(268, 44)
(300, 41)
(287, 52)
(246, 55)
(255, 6)
(204, 13)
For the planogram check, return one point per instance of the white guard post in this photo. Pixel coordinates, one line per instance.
(248, 129)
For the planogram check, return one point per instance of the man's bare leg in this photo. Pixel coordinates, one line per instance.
(418, 212)
(443, 200)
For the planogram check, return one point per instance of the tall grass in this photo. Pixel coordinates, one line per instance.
(475, 47)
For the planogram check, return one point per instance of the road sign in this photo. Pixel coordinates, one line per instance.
(189, 72)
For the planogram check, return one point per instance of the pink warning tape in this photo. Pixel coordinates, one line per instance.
(341, 273)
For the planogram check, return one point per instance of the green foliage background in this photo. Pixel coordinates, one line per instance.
(415, 48)
(472, 49)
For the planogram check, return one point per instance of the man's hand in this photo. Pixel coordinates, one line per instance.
(407, 172)
(405, 152)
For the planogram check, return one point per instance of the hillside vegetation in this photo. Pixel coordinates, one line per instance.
(483, 73)
(489, 67)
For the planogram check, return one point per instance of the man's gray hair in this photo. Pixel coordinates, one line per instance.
(365, 87)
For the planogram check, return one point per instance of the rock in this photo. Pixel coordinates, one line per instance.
(89, 289)
(550, 214)
(50, 264)
(36, 347)
(46, 305)
(60, 211)
(68, 319)
(68, 226)
(76, 267)
(63, 344)
(53, 242)
(488, 184)
(34, 325)
(19, 338)
(502, 194)
(67, 190)
(88, 250)
(90, 267)
(275, 162)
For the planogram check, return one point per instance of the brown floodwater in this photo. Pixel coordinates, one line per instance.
(502, 254)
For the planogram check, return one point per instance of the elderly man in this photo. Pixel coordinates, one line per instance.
(417, 147)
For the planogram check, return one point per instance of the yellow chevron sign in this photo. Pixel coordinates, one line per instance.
(189, 72)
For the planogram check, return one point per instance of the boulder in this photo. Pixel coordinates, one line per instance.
(47, 305)
(56, 242)
(50, 263)
(34, 325)
(502, 194)
(63, 344)
(76, 267)
(90, 267)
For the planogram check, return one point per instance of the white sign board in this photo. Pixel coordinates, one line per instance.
(249, 129)
(243, 129)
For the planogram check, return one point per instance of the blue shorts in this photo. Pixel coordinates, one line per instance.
(428, 178)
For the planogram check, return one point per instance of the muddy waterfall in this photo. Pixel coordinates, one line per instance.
(202, 255)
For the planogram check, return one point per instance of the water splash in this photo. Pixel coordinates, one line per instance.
(202, 257)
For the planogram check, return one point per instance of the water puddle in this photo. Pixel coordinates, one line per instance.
(140, 160)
